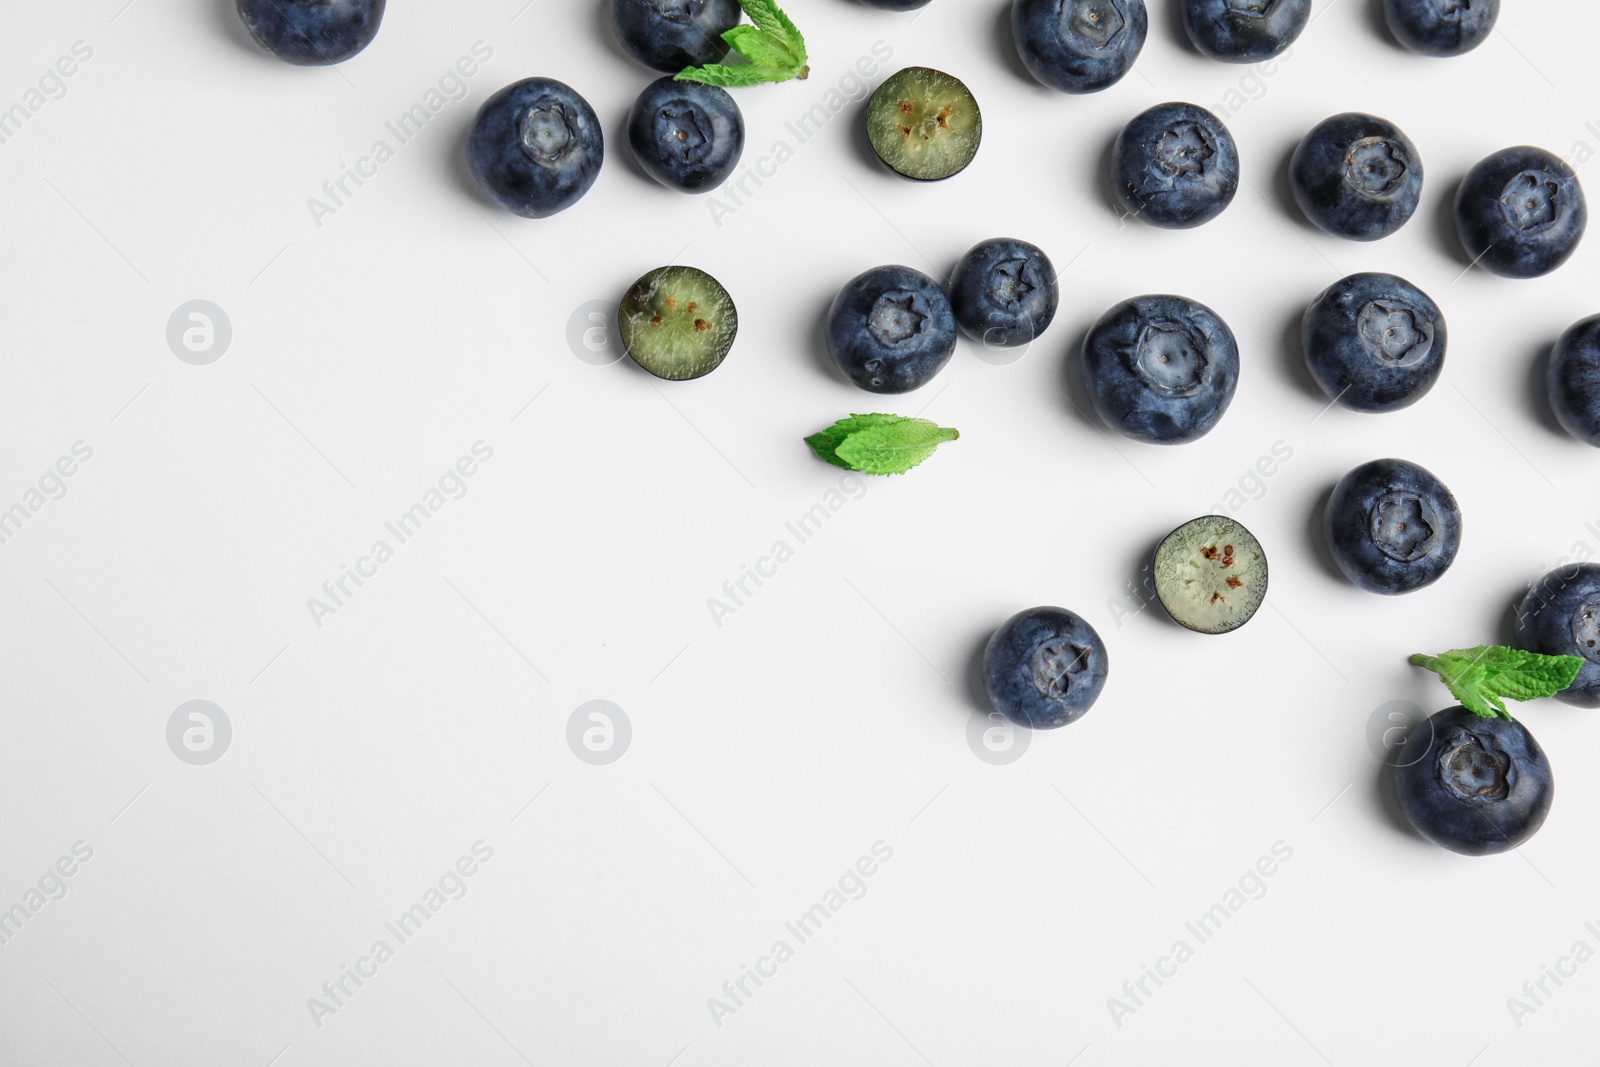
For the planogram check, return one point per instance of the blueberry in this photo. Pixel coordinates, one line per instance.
(1357, 176)
(1161, 368)
(924, 124)
(1573, 381)
(312, 32)
(1044, 668)
(1244, 31)
(1175, 165)
(1560, 616)
(891, 329)
(1004, 293)
(536, 147)
(677, 323)
(1441, 27)
(1392, 526)
(686, 135)
(670, 35)
(1374, 342)
(1473, 785)
(1079, 46)
(1521, 212)
(1211, 574)
(896, 5)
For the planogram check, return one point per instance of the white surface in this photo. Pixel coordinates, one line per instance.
(832, 710)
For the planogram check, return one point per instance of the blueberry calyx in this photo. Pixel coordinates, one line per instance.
(1474, 771)
(1404, 526)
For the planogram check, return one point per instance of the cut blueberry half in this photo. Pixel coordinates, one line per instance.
(924, 124)
(678, 323)
(1211, 574)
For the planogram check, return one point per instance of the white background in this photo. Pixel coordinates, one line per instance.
(832, 710)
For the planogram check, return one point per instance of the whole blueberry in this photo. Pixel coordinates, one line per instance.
(1161, 368)
(1374, 342)
(1244, 31)
(1004, 293)
(670, 35)
(1573, 381)
(1441, 27)
(1357, 176)
(891, 329)
(1560, 616)
(1079, 46)
(312, 32)
(536, 147)
(1175, 165)
(1473, 785)
(1044, 668)
(1392, 527)
(686, 135)
(1521, 212)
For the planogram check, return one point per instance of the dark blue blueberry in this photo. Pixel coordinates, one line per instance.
(1244, 31)
(1473, 785)
(1521, 212)
(1560, 616)
(670, 35)
(1004, 293)
(896, 5)
(1573, 381)
(1392, 526)
(1357, 176)
(1079, 46)
(1374, 342)
(536, 147)
(1441, 27)
(891, 329)
(1044, 668)
(1175, 165)
(686, 135)
(312, 32)
(1161, 368)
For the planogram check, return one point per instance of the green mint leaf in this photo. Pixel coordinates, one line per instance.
(774, 47)
(1483, 678)
(879, 443)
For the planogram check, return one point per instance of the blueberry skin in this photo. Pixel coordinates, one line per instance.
(1079, 46)
(1441, 27)
(670, 35)
(1572, 381)
(1044, 668)
(891, 329)
(1521, 212)
(1004, 292)
(1473, 785)
(1245, 31)
(686, 135)
(536, 147)
(1560, 616)
(1392, 527)
(312, 32)
(1374, 342)
(1357, 176)
(896, 5)
(1161, 368)
(1175, 166)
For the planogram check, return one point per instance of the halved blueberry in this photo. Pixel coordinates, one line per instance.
(678, 323)
(924, 124)
(1211, 574)
(1044, 668)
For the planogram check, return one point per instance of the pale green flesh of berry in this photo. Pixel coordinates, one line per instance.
(677, 323)
(1211, 574)
(924, 124)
